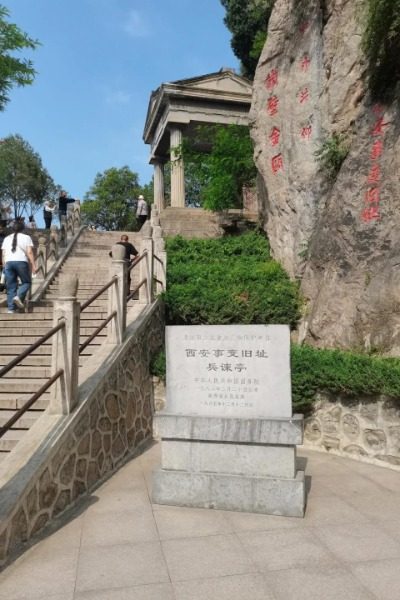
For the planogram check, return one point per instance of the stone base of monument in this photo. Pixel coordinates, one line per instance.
(230, 464)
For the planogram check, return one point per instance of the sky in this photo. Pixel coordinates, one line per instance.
(98, 62)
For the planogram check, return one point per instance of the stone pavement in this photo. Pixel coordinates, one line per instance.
(118, 546)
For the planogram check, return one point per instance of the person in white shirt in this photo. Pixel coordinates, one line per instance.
(142, 210)
(48, 209)
(17, 257)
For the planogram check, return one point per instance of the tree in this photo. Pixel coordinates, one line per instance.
(215, 179)
(110, 202)
(381, 43)
(248, 23)
(24, 182)
(13, 71)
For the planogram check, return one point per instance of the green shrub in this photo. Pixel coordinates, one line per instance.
(229, 280)
(332, 154)
(340, 372)
(158, 365)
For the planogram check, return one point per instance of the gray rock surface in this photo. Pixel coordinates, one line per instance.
(333, 235)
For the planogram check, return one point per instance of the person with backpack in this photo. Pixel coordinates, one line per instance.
(19, 262)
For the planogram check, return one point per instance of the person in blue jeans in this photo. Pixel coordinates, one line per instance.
(19, 262)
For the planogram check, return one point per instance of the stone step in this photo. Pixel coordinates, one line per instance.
(9, 440)
(13, 401)
(29, 361)
(28, 372)
(24, 422)
(20, 386)
(15, 349)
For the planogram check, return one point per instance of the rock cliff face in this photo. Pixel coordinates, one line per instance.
(341, 237)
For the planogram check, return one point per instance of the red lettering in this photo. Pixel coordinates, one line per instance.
(374, 175)
(272, 79)
(370, 213)
(304, 26)
(377, 149)
(272, 105)
(306, 132)
(305, 63)
(303, 95)
(274, 136)
(372, 195)
(277, 163)
(379, 125)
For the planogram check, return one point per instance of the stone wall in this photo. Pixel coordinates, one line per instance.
(112, 421)
(364, 428)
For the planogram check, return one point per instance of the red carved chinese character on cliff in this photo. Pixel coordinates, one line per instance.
(271, 79)
(306, 132)
(374, 175)
(277, 163)
(303, 95)
(305, 63)
(377, 149)
(272, 105)
(274, 136)
(379, 125)
(304, 26)
(372, 195)
(370, 213)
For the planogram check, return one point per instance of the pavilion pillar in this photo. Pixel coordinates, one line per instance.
(159, 198)
(177, 169)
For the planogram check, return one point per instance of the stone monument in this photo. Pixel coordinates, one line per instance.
(228, 437)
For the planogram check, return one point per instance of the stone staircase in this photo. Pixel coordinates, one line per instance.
(190, 223)
(89, 260)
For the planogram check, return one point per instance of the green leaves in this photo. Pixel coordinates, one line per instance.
(24, 182)
(220, 174)
(381, 44)
(109, 204)
(339, 372)
(13, 71)
(332, 154)
(229, 280)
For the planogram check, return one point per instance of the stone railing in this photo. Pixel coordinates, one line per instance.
(98, 414)
(367, 429)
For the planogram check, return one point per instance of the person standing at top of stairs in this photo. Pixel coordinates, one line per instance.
(17, 251)
(142, 210)
(63, 201)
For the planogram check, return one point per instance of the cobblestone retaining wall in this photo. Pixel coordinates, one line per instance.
(363, 428)
(115, 419)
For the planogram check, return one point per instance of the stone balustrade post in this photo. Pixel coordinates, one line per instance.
(177, 169)
(158, 245)
(63, 231)
(65, 349)
(41, 258)
(161, 268)
(77, 215)
(146, 271)
(53, 244)
(117, 295)
(70, 224)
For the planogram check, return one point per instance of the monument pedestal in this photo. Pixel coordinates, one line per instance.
(230, 463)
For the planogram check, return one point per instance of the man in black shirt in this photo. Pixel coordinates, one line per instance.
(130, 250)
(63, 200)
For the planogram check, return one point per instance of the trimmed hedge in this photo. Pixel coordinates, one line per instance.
(228, 280)
(340, 372)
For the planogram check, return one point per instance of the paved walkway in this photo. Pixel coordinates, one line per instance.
(120, 547)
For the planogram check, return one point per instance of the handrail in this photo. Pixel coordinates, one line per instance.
(133, 292)
(31, 348)
(97, 331)
(158, 281)
(28, 403)
(98, 293)
(159, 259)
(137, 260)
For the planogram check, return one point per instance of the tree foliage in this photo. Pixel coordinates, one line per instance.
(332, 154)
(248, 23)
(110, 202)
(215, 178)
(24, 182)
(381, 43)
(13, 71)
